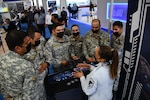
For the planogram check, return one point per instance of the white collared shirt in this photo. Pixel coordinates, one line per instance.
(98, 84)
(48, 18)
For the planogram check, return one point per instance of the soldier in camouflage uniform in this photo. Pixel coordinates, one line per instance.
(118, 37)
(66, 30)
(94, 38)
(117, 42)
(58, 46)
(37, 56)
(18, 78)
(76, 41)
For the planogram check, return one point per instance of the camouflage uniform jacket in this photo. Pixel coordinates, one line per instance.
(76, 48)
(58, 50)
(91, 42)
(17, 77)
(118, 44)
(67, 32)
(37, 56)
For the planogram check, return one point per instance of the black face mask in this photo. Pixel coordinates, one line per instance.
(37, 43)
(60, 34)
(28, 48)
(116, 33)
(95, 31)
(76, 34)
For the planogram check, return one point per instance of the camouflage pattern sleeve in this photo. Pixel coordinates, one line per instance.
(18, 78)
(106, 38)
(85, 49)
(37, 57)
(49, 51)
(58, 50)
(71, 50)
(71, 47)
(118, 44)
(67, 32)
(89, 44)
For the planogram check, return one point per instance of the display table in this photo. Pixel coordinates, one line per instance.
(63, 86)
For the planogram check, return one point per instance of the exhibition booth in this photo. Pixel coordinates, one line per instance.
(101, 10)
(134, 80)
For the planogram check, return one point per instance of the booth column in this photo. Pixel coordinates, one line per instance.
(63, 3)
(37, 2)
(110, 17)
(101, 12)
(45, 5)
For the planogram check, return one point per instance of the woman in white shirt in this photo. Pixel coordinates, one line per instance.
(98, 83)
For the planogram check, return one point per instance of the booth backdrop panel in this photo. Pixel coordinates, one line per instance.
(134, 83)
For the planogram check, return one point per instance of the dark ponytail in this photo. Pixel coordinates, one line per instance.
(114, 65)
(111, 56)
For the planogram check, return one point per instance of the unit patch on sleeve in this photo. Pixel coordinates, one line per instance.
(91, 83)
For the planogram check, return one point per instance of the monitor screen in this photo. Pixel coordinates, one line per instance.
(3, 7)
(119, 11)
(51, 3)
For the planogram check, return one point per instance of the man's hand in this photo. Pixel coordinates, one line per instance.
(43, 67)
(83, 65)
(9, 99)
(64, 63)
(75, 58)
(4, 24)
(90, 59)
(78, 74)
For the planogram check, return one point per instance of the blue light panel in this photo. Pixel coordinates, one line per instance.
(119, 11)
